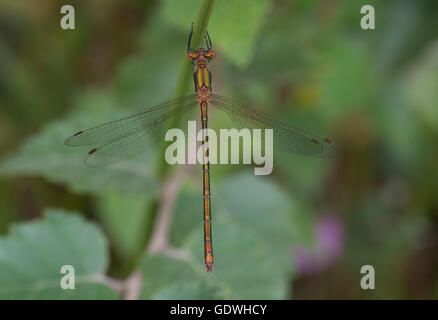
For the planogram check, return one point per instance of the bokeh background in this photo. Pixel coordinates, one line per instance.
(303, 233)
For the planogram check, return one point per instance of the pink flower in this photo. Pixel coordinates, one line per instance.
(328, 247)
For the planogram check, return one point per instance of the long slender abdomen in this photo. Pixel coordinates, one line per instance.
(206, 194)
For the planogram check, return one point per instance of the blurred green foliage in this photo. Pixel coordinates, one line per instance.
(33, 253)
(308, 62)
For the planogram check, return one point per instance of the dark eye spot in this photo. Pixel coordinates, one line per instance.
(92, 151)
(315, 141)
(77, 133)
(327, 141)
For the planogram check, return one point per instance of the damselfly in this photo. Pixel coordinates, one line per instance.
(126, 137)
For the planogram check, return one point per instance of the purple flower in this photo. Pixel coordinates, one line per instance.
(328, 247)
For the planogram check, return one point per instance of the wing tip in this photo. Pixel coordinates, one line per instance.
(88, 159)
(69, 141)
(91, 160)
(327, 148)
(330, 148)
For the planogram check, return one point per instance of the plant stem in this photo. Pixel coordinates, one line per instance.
(199, 30)
(182, 88)
(184, 80)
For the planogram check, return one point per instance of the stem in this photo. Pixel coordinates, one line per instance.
(199, 30)
(185, 75)
(158, 242)
(182, 88)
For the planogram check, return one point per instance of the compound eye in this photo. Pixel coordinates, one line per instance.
(211, 54)
(192, 56)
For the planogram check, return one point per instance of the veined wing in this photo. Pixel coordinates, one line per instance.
(286, 137)
(127, 137)
(113, 130)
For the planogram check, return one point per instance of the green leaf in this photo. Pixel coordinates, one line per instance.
(346, 80)
(149, 76)
(46, 155)
(256, 204)
(246, 265)
(125, 218)
(400, 135)
(32, 255)
(253, 233)
(309, 176)
(166, 278)
(422, 87)
(233, 27)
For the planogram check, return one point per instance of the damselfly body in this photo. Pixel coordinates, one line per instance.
(126, 137)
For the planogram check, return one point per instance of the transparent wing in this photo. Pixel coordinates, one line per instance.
(127, 137)
(113, 130)
(286, 137)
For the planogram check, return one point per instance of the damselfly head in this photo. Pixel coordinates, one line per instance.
(205, 54)
(201, 53)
